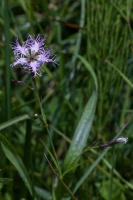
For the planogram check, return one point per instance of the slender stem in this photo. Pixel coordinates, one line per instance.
(66, 187)
(111, 181)
(46, 125)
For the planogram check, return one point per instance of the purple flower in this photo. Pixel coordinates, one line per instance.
(32, 54)
(112, 142)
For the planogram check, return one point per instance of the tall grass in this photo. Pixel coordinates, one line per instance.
(84, 101)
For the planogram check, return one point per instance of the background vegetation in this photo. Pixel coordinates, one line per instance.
(88, 95)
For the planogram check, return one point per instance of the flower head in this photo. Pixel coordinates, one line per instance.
(122, 140)
(32, 54)
(112, 142)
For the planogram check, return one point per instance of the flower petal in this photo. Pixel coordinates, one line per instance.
(35, 66)
(35, 47)
(45, 57)
(18, 49)
(20, 61)
(122, 139)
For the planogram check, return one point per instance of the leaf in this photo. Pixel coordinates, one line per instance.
(43, 193)
(5, 180)
(14, 158)
(90, 69)
(121, 74)
(83, 129)
(13, 121)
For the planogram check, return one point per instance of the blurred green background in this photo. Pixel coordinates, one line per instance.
(101, 32)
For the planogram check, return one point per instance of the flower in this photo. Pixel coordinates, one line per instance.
(122, 140)
(112, 142)
(32, 54)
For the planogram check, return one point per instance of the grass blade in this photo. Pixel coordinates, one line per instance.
(14, 158)
(81, 133)
(91, 168)
(90, 69)
(43, 193)
(7, 59)
(121, 74)
(83, 129)
(13, 121)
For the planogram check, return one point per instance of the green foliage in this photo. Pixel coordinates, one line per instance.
(84, 101)
(16, 161)
(103, 190)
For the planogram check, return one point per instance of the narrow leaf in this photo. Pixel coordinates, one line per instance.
(93, 166)
(81, 134)
(90, 69)
(44, 194)
(83, 129)
(121, 74)
(14, 158)
(13, 121)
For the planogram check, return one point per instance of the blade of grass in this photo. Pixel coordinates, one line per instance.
(43, 193)
(62, 182)
(83, 129)
(13, 121)
(7, 59)
(90, 69)
(52, 157)
(79, 37)
(14, 158)
(92, 167)
(81, 134)
(120, 73)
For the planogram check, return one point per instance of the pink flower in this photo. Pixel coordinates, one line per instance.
(31, 55)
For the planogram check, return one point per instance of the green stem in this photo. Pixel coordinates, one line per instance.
(62, 182)
(112, 171)
(7, 58)
(46, 125)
